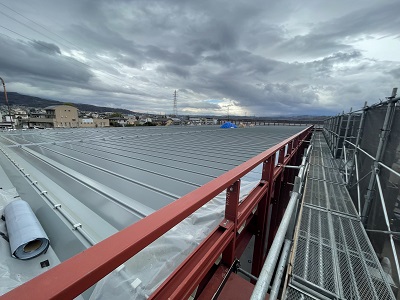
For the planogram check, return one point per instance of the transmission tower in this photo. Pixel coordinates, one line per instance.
(175, 112)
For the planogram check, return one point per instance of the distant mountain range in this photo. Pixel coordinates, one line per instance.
(36, 102)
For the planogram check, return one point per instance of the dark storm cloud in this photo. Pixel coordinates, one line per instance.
(128, 61)
(48, 48)
(381, 18)
(222, 59)
(204, 105)
(312, 45)
(22, 60)
(174, 70)
(338, 34)
(100, 38)
(324, 67)
(395, 73)
(179, 58)
(264, 56)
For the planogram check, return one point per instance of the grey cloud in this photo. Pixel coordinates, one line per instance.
(289, 95)
(324, 66)
(48, 48)
(220, 58)
(175, 70)
(100, 38)
(311, 45)
(22, 60)
(201, 105)
(381, 18)
(208, 50)
(128, 61)
(178, 58)
(337, 34)
(395, 73)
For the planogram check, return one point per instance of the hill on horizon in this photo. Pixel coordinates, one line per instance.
(37, 102)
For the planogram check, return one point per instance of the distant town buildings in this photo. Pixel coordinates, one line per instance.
(57, 116)
(68, 116)
(62, 116)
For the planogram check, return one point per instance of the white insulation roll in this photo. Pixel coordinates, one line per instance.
(26, 235)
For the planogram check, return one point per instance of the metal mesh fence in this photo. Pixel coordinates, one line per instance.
(333, 256)
(295, 294)
(366, 145)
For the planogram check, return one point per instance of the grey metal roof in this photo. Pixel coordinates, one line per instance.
(109, 178)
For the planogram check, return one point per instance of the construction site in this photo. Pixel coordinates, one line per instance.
(261, 212)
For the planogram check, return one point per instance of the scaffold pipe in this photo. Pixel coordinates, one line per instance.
(280, 271)
(264, 280)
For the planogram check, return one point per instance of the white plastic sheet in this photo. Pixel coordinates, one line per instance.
(141, 275)
(7, 196)
(26, 235)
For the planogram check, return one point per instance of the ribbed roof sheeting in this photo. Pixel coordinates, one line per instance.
(123, 174)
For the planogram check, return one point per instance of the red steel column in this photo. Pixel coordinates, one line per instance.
(275, 200)
(231, 215)
(262, 211)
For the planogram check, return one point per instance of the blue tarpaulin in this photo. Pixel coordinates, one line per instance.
(228, 125)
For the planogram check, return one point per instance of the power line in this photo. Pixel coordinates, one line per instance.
(70, 59)
(12, 18)
(74, 60)
(48, 30)
(38, 24)
(175, 104)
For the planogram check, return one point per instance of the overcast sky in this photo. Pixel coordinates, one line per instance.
(256, 57)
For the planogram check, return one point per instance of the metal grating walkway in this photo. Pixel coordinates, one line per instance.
(333, 256)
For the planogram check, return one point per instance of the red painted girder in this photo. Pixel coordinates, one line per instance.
(183, 281)
(213, 284)
(243, 239)
(250, 202)
(75, 275)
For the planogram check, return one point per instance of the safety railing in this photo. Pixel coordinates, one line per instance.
(283, 238)
(242, 220)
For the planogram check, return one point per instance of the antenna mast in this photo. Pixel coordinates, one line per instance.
(175, 112)
(8, 105)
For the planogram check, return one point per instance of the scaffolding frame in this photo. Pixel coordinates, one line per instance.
(332, 255)
(344, 145)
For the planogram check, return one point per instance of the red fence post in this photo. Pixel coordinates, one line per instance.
(262, 211)
(231, 215)
(275, 196)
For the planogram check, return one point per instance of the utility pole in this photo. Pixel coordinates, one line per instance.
(175, 112)
(229, 105)
(8, 105)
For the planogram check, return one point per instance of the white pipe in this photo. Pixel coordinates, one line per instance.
(345, 163)
(396, 259)
(389, 169)
(363, 151)
(358, 185)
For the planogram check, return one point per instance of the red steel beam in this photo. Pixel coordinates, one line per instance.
(72, 277)
(250, 203)
(181, 283)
